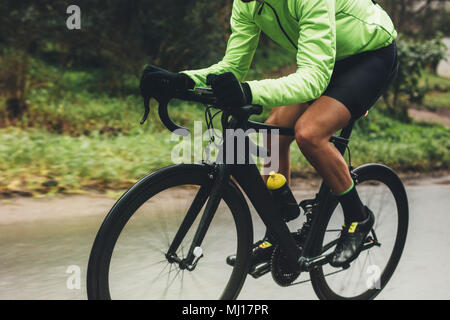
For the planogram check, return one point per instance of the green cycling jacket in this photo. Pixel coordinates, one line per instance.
(319, 31)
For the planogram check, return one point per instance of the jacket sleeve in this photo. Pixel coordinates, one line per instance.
(240, 50)
(315, 59)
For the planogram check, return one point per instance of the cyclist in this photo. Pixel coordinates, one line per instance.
(346, 57)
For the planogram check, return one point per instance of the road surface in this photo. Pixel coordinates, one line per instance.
(44, 243)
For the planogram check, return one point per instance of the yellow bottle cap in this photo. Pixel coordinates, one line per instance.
(275, 181)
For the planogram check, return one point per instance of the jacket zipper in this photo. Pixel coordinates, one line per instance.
(278, 21)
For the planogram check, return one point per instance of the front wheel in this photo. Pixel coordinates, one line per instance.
(381, 190)
(128, 259)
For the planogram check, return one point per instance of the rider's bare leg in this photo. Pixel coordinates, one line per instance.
(285, 116)
(313, 131)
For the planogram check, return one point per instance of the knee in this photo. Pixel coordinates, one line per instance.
(307, 139)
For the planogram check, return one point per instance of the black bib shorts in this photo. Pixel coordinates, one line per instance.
(360, 80)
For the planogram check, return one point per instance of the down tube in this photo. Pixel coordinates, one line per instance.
(249, 178)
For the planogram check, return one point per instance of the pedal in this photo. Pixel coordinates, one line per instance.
(260, 270)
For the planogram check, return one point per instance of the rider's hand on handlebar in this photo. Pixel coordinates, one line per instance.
(159, 83)
(229, 91)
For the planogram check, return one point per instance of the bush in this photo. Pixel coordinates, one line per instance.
(414, 57)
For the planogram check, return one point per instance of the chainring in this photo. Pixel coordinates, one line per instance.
(282, 273)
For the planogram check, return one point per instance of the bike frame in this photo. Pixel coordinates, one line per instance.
(250, 180)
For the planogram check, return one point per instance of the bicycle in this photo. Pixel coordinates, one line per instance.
(193, 252)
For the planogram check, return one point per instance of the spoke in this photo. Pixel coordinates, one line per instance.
(156, 278)
(325, 275)
(155, 263)
(170, 271)
(160, 274)
(164, 294)
(364, 264)
(163, 224)
(157, 230)
(198, 283)
(333, 273)
(154, 247)
(348, 278)
(361, 269)
(353, 282)
(369, 198)
(382, 205)
(380, 220)
(345, 277)
(182, 284)
(166, 290)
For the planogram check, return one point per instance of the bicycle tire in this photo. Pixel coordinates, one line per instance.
(384, 175)
(145, 189)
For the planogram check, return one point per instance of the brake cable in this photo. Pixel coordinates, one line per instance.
(209, 117)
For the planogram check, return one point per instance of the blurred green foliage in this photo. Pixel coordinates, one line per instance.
(70, 109)
(117, 38)
(36, 161)
(419, 19)
(414, 58)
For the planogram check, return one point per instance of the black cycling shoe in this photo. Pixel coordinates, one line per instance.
(260, 260)
(351, 241)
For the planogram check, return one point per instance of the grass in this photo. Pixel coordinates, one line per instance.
(73, 139)
(439, 94)
(437, 100)
(435, 82)
(35, 161)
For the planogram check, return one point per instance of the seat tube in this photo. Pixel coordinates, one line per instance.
(252, 183)
(345, 133)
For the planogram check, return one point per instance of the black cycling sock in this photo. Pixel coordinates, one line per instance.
(354, 210)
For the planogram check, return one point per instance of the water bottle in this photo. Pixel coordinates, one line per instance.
(283, 196)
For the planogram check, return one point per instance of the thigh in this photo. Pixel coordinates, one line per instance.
(286, 116)
(322, 119)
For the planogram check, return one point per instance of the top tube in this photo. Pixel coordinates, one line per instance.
(206, 96)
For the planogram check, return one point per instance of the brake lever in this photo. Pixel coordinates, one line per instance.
(147, 109)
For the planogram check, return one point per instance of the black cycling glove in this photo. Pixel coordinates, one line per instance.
(159, 83)
(229, 91)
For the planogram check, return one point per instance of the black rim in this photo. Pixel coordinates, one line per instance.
(109, 233)
(386, 177)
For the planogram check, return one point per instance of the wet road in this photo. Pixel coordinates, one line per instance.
(41, 258)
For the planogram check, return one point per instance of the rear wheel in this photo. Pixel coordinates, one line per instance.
(383, 192)
(128, 258)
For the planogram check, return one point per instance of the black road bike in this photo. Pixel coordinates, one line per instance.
(168, 236)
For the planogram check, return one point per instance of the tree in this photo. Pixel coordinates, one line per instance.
(414, 57)
(419, 18)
